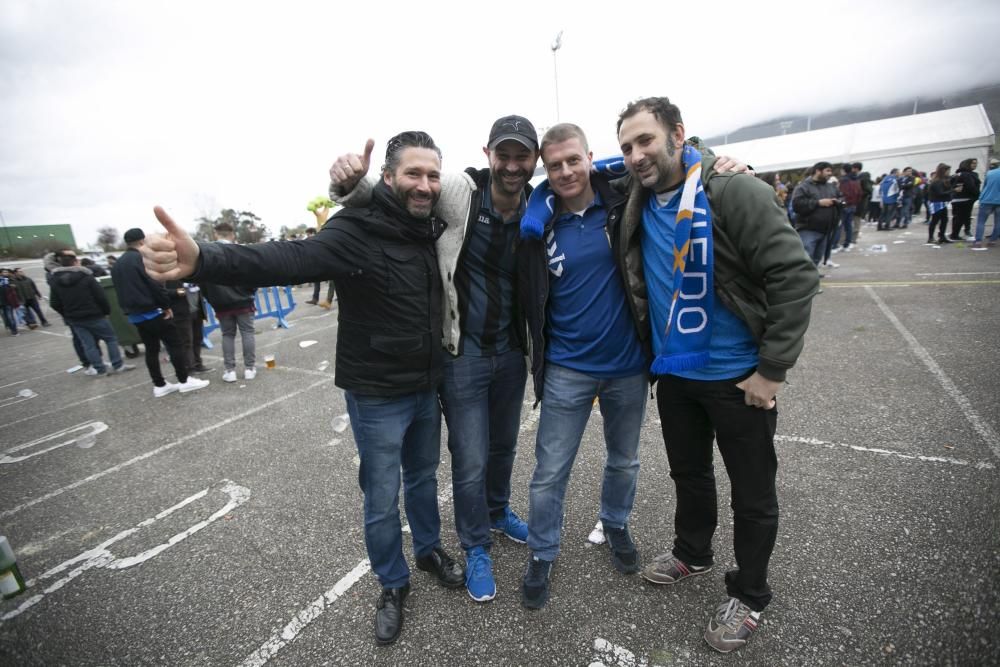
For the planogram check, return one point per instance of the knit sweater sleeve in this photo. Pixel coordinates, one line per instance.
(452, 206)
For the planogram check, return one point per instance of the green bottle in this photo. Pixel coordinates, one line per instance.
(11, 581)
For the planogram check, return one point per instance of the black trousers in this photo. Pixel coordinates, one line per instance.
(940, 220)
(961, 218)
(197, 337)
(692, 413)
(152, 332)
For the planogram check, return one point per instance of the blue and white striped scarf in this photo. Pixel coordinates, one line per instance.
(684, 344)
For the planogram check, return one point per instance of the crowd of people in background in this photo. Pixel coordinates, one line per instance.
(830, 203)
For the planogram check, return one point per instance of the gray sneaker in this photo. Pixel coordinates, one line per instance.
(124, 368)
(731, 626)
(668, 569)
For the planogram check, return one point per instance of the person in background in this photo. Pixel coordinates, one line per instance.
(989, 204)
(29, 297)
(964, 193)
(81, 301)
(938, 196)
(234, 309)
(146, 303)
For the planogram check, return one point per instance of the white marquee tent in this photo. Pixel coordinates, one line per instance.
(920, 141)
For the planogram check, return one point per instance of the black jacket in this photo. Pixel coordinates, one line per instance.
(939, 190)
(76, 295)
(810, 215)
(388, 287)
(533, 279)
(970, 185)
(178, 300)
(137, 292)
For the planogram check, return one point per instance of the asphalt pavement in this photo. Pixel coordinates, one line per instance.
(224, 526)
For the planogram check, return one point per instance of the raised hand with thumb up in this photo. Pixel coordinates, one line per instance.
(172, 255)
(350, 168)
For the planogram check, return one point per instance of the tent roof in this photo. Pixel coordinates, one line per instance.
(964, 127)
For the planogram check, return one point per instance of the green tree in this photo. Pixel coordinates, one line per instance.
(107, 238)
(246, 224)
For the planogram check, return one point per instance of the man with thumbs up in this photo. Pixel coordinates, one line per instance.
(484, 332)
(388, 346)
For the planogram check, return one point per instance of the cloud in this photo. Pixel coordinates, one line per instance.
(112, 107)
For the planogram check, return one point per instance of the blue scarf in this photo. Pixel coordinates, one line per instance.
(541, 205)
(685, 342)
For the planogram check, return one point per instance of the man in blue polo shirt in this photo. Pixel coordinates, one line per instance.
(586, 344)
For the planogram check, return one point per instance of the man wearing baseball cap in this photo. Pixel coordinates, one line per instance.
(484, 332)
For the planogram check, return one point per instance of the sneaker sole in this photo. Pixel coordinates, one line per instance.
(190, 389)
(508, 535)
(728, 649)
(482, 598)
(692, 573)
(164, 394)
(534, 604)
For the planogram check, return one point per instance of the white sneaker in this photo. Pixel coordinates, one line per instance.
(192, 384)
(831, 265)
(249, 373)
(229, 376)
(90, 371)
(74, 369)
(124, 368)
(160, 392)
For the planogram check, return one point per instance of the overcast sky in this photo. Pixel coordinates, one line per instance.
(111, 107)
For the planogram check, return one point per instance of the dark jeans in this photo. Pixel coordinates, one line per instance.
(9, 317)
(961, 218)
(92, 331)
(939, 220)
(481, 398)
(905, 211)
(890, 214)
(152, 332)
(692, 412)
(814, 243)
(847, 221)
(389, 433)
(33, 305)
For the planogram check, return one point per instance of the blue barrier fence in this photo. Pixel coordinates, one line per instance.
(273, 302)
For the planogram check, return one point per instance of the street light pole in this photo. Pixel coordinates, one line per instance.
(556, 45)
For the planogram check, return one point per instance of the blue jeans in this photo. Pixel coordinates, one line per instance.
(392, 432)
(985, 211)
(92, 331)
(568, 398)
(905, 211)
(814, 243)
(481, 398)
(847, 221)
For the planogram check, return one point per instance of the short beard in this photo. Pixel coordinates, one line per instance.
(498, 179)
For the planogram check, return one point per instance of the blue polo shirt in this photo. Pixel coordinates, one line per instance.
(485, 279)
(589, 325)
(732, 348)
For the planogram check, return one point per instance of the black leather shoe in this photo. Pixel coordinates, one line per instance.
(449, 573)
(389, 614)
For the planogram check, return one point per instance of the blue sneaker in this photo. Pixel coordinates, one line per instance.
(479, 575)
(511, 525)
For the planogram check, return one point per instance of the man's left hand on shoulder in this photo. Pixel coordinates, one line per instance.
(759, 392)
(724, 163)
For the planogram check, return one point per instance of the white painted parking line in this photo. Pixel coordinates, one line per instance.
(981, 427)
(62, 408)
(18, 398)
(101, 557)
(607, 654)
(160, 450)
(969, 273)
(81, 433)
(981, 465)
(314, 609)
